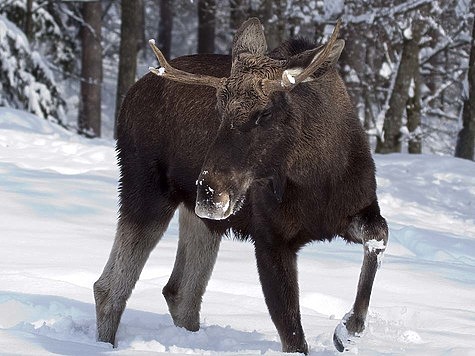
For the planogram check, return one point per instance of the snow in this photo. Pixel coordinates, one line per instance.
(333, 7)
(407, 33)
(374, 245)
(57, 222)
(289, 76)
(389, 11)
(9, 28)
(386, 70)
(29, 82)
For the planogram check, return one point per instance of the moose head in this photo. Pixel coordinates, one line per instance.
(258, 110)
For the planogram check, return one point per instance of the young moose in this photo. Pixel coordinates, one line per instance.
(267, 145)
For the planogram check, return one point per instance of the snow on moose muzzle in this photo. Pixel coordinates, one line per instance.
(213, 202)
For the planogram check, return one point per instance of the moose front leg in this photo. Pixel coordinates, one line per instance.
(371, 229)
(277, 267)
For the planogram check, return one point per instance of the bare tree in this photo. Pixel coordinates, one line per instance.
(466, 136)
(129, 33)
(142, 44)
(272, 14)
(370, 62)
(413, 111)
(399, 95)
(165, 27)
(239, 11)
(413, 105)
(89, 119)
(206, 25)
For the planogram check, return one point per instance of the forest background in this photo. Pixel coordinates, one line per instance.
(408, 65)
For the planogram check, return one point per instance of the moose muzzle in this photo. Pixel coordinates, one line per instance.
(217, 199)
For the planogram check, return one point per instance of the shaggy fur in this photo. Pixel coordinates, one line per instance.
(296, 164)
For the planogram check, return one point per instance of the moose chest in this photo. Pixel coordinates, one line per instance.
(297, 219)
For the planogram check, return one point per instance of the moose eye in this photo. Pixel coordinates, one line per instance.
(263, 116)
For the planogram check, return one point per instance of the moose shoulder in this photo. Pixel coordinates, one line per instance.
(266, 145)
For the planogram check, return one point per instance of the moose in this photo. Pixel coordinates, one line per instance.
(266, 145)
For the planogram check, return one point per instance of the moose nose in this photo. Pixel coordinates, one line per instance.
(210, 202)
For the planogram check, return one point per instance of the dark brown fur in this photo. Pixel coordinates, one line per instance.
(310, 172)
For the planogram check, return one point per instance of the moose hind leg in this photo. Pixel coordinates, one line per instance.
(196, 255)
(132, 246)
(370, 228)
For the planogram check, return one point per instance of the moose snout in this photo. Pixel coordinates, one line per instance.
(212, 202)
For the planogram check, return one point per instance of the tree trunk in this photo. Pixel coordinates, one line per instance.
(89, 119)
(413, 111)
(413, 107)
(360, 55)
(29, 20)
(239, 12)
(165, 27)
(466, 136)
(272, 13)
(142, 44)
(398, 99)
(206, 25)
(129, 32)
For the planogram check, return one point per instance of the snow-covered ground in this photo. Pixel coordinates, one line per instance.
(57, 221)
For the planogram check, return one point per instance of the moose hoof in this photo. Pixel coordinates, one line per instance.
(190, 324)
(338, 342)
(302, 348)
(106, 335)
(346, 332)
(343, 340)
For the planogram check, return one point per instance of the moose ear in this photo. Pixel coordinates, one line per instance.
(298, 63)
(250, 39)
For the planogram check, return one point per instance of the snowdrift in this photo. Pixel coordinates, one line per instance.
(57, 222)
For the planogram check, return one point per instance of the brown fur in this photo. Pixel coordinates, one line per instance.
(296, 163)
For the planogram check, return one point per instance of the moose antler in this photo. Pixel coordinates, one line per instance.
(167, 71)
(288, 81)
